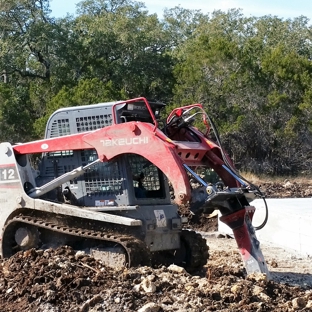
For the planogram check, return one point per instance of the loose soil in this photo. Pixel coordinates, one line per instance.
(66, 280)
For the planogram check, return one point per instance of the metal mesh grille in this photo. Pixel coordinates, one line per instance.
(60, 127)
(58, 170)
(89, 123)
(56, 161)
(150, 172)
(102, 178)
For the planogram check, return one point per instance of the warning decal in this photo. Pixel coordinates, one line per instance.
(161, 220)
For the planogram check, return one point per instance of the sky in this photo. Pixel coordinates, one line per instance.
(282, 8)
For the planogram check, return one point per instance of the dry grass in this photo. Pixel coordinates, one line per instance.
(258, 179)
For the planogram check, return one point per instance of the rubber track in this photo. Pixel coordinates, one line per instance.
(199, 251)
(136, 250)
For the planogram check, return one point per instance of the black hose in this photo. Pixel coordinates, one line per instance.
(229, 165)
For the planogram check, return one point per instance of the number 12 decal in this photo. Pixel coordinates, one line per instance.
(8, 174)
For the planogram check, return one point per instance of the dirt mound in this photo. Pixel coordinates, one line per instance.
(66, 280)
(199, 222)
(287, 189)
(63, 280)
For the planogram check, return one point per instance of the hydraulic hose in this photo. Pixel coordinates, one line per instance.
(234, 171)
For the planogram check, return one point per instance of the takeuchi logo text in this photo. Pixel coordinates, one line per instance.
(125, 141)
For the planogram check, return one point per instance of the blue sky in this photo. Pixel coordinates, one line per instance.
(281, 8)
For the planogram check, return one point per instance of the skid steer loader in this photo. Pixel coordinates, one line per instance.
(102, 183)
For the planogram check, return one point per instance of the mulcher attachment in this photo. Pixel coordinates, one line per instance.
(237, 214)
(247, 242)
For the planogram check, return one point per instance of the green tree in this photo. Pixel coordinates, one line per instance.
(120, 42)
(26, 55)
(116, 42)
(88, 91)
(253, 82)
(26, 38)
(15, 119)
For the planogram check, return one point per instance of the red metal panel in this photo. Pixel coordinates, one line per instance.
(140, 138)
(63, 143)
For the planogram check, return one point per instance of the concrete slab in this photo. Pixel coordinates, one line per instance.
(289, 224)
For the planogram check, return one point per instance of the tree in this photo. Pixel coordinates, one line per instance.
(123, 44)
(252, 82)
(15, 119)
(25, 38)
(26, 54)
(116, 42)
(88, 91)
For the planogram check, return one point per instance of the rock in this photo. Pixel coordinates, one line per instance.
(165, 277)
(151, 277)
(50, 294)
(137, 287)
(299, 303)
(257, 290)
(166, 300)
(264, 297)
(9, 290)
(80, 254)
(309, 304)
(148, 286)
(176, 268)
(236, 289)
(89, 303)
(150, 307)
(221, 286)
(288, 185)
(144, 270)
(189, 288)
(202, 283)
(258, 277)
(47, 307)
(183, 279)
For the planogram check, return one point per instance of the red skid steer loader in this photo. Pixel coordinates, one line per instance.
(102, 184)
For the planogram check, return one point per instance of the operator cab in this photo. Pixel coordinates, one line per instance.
(125, 180)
